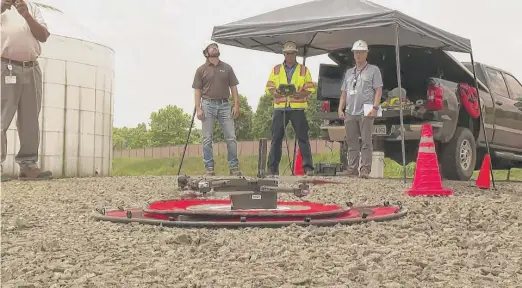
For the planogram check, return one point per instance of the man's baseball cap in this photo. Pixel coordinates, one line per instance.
(360, 45)
(290, 46)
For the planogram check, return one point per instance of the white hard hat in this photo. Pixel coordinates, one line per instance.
(360, 45)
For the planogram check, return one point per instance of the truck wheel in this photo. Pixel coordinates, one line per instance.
(459, 156)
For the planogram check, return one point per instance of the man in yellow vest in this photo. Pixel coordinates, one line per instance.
(290, 108)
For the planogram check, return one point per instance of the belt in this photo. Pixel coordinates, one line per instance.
(24, 64)
(216, 100)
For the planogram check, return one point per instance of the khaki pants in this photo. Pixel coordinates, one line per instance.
(24, 98)
(359, 126)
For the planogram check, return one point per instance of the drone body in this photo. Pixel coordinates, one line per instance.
(260, 193)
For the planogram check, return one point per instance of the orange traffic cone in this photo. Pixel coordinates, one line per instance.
(427, 180)
(483, 179)
(298, 166)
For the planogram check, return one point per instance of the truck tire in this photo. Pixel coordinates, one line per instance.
(459, 156)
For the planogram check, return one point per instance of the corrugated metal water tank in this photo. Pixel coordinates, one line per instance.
(77, 108)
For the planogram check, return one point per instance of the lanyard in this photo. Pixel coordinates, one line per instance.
(356, 77)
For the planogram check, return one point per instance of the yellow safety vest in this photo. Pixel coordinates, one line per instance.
(302, 81)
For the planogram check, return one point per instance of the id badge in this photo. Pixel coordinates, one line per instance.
(353, 92)
(10, 79)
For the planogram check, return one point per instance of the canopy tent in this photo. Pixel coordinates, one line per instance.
(325, 25)
(321, 26)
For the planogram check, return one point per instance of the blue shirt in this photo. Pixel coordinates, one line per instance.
(289, 71)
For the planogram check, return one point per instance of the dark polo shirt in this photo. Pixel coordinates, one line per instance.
(215, 80)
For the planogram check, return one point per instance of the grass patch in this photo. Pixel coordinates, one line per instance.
(123, 166)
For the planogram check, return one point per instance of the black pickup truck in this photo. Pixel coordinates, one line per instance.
(434, 82)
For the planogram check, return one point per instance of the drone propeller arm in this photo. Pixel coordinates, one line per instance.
(301, 191)
(234, 186)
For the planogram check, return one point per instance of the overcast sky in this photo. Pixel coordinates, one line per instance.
(158, 43)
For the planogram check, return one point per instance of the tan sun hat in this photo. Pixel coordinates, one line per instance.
(290, 46)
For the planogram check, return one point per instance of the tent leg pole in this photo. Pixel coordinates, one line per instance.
(398, 64)
(482, 119)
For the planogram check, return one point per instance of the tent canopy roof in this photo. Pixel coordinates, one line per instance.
(327, 25)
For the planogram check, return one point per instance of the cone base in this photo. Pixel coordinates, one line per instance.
(298, 164)
(429, 192)
(484, 187)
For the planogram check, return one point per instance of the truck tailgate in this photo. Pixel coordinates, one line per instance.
(388, 126)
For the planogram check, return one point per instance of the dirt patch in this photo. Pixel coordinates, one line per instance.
(473, 239)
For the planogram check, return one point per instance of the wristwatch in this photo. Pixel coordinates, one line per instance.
(376, 108)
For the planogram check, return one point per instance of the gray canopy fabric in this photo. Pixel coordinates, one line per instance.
(326, 25)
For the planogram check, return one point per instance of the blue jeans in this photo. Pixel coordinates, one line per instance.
(221, 111)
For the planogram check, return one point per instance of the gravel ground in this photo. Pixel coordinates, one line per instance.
(473, 239)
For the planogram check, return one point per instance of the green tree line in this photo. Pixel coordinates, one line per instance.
(169, 126)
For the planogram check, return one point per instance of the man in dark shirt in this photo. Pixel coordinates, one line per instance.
(213, 83)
